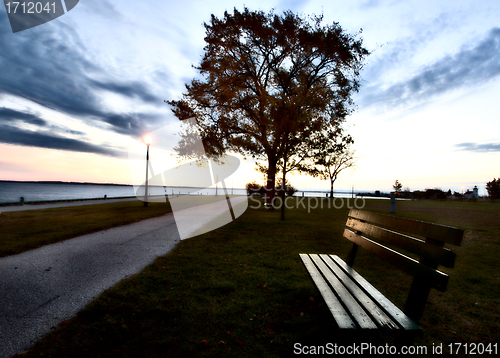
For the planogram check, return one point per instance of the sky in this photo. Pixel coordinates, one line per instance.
(78, 92)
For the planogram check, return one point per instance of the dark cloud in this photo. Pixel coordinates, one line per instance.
(17, 136)
(470, 66)
(63, 130)
(474, 147)
(132, 89)
(10, 115)
(51, 66)
(126, 123)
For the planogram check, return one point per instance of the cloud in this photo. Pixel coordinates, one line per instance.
(474, 147)
(53, 68)
(468, 67)
(368, 4)
(13, 117)
(129, 122)
(101, 8)
(132, 89)
(17, 136)
(10, 115)
(64, 130)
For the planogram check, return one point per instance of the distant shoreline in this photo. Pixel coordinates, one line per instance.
(58, 182)
(87, 183)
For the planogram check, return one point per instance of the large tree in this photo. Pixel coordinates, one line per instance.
(269, 82)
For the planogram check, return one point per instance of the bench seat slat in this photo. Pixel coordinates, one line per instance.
(446, 234)
(357, 312)
(378, 315)
(389, 307)
(340, 315)
(436, 279)
(439, 254)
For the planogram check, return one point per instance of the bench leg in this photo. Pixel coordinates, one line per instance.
(417, 299)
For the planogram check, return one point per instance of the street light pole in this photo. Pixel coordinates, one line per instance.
(148, 140)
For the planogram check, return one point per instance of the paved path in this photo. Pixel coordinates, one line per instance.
(60, 204)
(42, 287)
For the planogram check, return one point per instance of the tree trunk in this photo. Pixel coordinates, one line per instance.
(271, 179)
(283, 183)
(282, 208)
(331, 189)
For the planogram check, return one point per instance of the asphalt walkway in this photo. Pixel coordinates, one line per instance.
(42, 287)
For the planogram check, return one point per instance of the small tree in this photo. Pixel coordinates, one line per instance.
(332, 157)
(397, 186)
(493, 188)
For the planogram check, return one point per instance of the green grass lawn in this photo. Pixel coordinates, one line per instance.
(242, 290)
(25, 230)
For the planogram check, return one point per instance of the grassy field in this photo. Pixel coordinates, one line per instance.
(242, 290)
(25, 230)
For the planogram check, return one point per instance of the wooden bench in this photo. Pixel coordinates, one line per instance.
(355, 303)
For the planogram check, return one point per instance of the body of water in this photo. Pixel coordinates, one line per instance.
(11, 191)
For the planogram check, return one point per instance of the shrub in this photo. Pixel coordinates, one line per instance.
(289, 189)
(254, 188)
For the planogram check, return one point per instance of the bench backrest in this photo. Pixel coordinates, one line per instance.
(374, 231)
